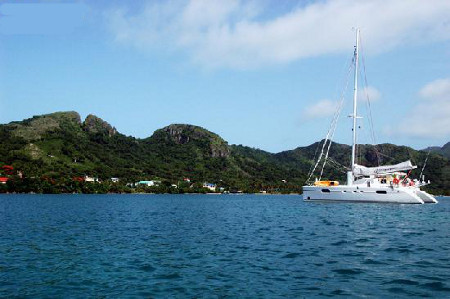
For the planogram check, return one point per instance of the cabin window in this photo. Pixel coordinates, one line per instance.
(331, 183)
(326, 190)
(381, 192)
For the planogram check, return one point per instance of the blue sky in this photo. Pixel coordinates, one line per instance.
(266, 74)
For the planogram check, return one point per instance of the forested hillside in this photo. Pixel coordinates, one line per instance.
(50, 153)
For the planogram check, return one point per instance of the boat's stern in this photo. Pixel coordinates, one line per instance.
(426, 197)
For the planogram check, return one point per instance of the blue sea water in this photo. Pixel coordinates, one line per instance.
(211, 246)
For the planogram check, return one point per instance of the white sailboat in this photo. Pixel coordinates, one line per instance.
(383, 184)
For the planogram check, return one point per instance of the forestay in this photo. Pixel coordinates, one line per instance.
(360, 170)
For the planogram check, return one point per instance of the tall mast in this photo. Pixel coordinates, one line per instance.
(355, 100)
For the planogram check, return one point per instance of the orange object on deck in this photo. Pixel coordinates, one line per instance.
(326, 183)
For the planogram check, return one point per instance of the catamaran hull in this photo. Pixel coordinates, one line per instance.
(426, 197)
(358, 194)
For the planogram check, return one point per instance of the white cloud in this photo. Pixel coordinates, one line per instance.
(437, 89)
(369, 92)
(247, 34)
(321, 109)
(430, 118)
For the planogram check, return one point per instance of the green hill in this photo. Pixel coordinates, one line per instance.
(51, 151)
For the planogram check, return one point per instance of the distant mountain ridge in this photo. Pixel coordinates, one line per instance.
(61, 145)
(444, 150)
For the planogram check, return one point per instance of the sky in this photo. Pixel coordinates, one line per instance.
(267, 74)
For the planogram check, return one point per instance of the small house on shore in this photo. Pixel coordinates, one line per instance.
(148, 183)
(209, 186)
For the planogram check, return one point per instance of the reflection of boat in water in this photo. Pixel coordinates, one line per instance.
(382, 184)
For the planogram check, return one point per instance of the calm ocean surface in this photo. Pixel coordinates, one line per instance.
(210, 246)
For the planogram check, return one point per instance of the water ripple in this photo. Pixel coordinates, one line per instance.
(191, 246)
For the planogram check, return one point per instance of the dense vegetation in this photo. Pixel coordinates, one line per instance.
(50, 153)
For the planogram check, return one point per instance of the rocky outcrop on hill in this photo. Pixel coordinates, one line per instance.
(182, 134)
(95, 124)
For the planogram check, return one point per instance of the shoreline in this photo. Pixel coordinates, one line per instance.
(146, 193)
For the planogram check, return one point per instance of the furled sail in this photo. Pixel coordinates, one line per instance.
(360, 170)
